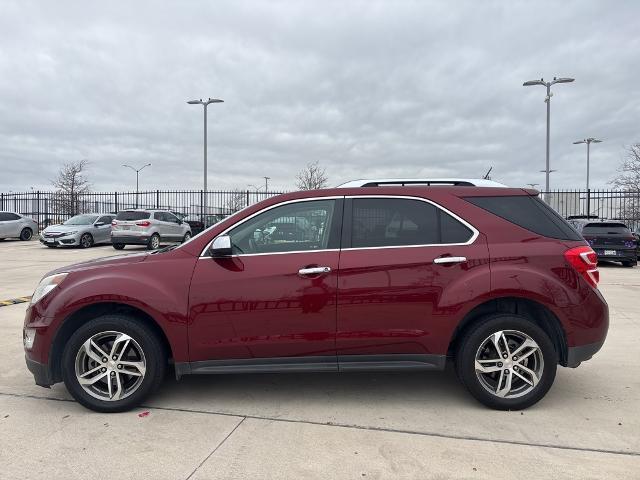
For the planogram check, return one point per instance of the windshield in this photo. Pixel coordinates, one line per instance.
(608, 228)
(81, 220)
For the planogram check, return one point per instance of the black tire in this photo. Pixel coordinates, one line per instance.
(86, 240)
(1, 239)
(154, 242)
(187, 237)
(26, 234)
(151, 345)
(629, 263)
(474, 338)
(118, 246)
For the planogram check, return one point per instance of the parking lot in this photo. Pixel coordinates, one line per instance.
(408, 425)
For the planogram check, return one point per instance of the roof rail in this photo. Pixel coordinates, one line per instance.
(404, 182)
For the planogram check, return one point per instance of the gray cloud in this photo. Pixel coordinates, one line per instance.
(366, 88)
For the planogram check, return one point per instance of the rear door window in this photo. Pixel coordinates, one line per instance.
(528, 212)
(131, 216)
(395, 222)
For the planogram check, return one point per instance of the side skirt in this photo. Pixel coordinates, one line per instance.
(330, 363)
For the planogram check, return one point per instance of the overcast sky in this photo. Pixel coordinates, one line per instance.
(415, 89)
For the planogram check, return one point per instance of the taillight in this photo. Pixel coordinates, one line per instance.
(146, 223)
(114, 223)
(585, 261)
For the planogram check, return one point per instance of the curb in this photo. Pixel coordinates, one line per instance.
(13, 301)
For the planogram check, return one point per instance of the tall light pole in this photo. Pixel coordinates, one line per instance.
(205, 104)
(588, 141)
(266, 184)
(137, 170)
(548, 102)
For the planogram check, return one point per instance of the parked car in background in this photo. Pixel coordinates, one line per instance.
(610, 239)
(85, 230)
(195, 222)
(147, 227)
(14, 225)
(347, 279)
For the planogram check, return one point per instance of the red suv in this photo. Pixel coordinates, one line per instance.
(347, 279)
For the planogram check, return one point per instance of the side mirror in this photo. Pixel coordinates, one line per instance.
(221, 247)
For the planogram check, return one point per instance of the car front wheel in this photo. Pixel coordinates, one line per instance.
(118, 246)
(506, 362)
(86, 240)
(186, 238)
(112, 363)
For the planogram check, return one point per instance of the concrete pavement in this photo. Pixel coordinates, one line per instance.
(407, 425)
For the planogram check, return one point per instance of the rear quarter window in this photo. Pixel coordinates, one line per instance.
(530, 213)
(132, 216)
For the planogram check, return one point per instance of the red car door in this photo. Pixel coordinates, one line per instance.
(275, 297)
(406, 271)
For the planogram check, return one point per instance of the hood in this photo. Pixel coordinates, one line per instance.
(65, 228)
(102, 262)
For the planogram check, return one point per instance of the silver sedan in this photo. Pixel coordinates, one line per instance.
(14, 225)
(82, 230)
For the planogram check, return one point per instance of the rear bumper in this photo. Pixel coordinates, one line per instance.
(621, 255)
(577, 355)
(130, 239)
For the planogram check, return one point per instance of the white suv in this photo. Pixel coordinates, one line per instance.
(147, 227)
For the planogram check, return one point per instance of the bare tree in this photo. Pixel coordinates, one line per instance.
(237, 201)
(628, 180)
(71, 184)
(312, 177)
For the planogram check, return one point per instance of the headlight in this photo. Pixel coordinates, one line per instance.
(69, 233)
(46, 285)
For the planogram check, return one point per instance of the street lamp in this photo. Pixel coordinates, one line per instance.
(205, 104)
(548, 102)
(266, 184)
(588, 141)
(137, 170)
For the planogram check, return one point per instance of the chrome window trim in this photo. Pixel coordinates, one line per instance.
(473, 238)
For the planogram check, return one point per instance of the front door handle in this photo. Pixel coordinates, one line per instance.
(313, 271)
(450, 260)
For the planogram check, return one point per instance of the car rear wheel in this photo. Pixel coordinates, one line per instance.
(26, 234)
(118, 246)
(86, 240)
(113, 363)
(506, 362)
(629, 264)
(186, 237)
(154, 242)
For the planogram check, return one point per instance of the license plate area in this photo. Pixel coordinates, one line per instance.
(610, 252)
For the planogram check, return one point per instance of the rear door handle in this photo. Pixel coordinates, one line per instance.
(313, 271)
(450, 260)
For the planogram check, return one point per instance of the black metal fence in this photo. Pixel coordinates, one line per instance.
(54, 207)
(610, 204)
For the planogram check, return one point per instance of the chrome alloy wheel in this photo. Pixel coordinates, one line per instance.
(509, 364)
(110, 366)
(155, 242)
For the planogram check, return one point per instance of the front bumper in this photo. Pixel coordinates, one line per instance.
(130, 239)
(69, 241)
(41, 372)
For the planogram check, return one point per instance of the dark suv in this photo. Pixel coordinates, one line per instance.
(610, 239)
(340, 280)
